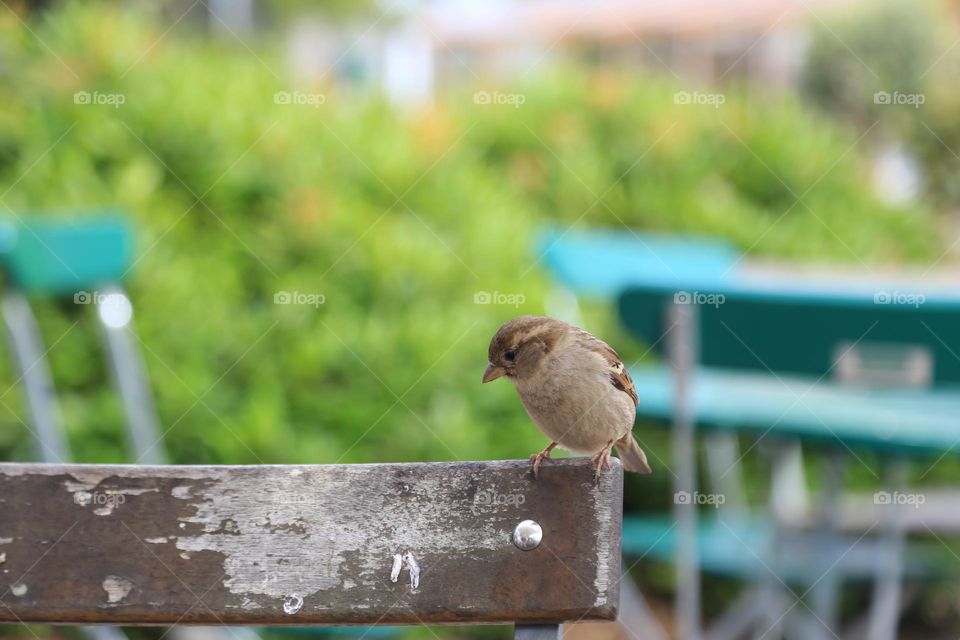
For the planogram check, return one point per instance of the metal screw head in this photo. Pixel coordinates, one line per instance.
(292, 604)
(527, 535)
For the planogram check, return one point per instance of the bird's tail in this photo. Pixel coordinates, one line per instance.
(632, 456)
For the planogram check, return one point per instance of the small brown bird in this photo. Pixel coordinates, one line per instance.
(573, 386)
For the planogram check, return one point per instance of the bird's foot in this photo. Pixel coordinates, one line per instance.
(537, 458)
(601, 460)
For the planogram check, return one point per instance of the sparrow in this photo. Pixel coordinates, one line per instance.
(573, 386)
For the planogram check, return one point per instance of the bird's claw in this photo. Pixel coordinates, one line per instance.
(537, 458)
(601, 461)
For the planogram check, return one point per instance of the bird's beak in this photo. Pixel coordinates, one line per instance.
(492, 373)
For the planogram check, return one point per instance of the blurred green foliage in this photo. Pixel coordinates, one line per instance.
(397, 219)
(883, 46)
(895, 47)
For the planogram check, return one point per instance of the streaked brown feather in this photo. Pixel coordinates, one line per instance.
(619, 376)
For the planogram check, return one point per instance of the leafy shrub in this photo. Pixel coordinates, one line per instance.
(398, 219)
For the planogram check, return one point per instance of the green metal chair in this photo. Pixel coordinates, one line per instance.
(744, 382)
(85, 259)
(738, 346)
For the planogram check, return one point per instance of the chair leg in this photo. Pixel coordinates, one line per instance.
(636, 619)
(789, 498)
(826, 592)
(737, 620)
(27, 346)
(722, 453)
(129, 377)
(885, 610)
(683, 357)
(538, 632)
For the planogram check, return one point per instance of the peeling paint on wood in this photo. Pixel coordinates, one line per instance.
(117, 588)
(258, 540)
(410, 562)
(397, 566)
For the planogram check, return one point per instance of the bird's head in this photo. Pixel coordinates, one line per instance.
(519, 347)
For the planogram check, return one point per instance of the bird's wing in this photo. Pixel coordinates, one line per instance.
(619, 376)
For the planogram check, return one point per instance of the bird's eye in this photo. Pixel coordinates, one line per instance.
(510, 355)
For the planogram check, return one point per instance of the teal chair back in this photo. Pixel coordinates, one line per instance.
(772, 329)
(60, 256)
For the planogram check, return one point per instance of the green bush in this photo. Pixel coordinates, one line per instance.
(887, 46)
(396, 218)
(905, 50)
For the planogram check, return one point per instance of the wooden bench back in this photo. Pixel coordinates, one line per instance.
(299, 545)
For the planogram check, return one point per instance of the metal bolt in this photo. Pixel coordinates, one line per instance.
(527, 535)
(292, 604)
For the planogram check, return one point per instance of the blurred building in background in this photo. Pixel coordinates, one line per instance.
(413, 50)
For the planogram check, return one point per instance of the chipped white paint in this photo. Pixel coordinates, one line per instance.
(82, 498)
(397, 566)
(160, 540)
(282, 540)
(292, 604)
(3, 558)
(606, 520)
(181, 493)
(91, 481)
(87, 491)
(296, 472)
(117, 588)
(5, 540)
(410, 562)
(18, 589)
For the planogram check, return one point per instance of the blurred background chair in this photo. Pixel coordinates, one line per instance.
(85, 259)
(839, 367)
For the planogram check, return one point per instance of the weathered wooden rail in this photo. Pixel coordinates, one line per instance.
(308, 545)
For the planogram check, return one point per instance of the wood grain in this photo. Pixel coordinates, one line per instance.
(307, 544)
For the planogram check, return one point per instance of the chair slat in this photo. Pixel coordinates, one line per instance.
(123, 544)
